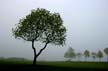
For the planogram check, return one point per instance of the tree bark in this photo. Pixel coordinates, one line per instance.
(34, 61)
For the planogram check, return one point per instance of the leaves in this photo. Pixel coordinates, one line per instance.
(86, 53)
(70, 53)
(99, 54)
(106, 51)
(41, 25)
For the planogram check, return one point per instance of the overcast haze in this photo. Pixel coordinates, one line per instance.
(86, 22)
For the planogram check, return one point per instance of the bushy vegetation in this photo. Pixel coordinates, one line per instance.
(71, 54)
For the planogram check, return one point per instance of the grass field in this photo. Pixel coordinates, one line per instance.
(58, 65)
(99, 65)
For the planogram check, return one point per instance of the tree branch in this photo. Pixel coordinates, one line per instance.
(42, 49)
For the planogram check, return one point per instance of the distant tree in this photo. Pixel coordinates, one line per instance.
(41, 25)
(106, 52)
(67, 56)
(99, 55)
(70, 54)
(86, 54)
(78, 56)
(93, 54)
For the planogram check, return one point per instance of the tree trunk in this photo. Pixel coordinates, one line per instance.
(34, 61)
(36, 55)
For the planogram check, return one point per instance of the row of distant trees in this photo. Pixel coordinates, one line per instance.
(71, 54)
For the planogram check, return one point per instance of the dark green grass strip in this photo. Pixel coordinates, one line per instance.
(54, 66)
(97, 65)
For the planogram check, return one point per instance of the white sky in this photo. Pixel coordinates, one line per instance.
(86, 22)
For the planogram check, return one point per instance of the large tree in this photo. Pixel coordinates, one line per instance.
(41, 25)
(86, 54)
(99, 55)
(106, 52)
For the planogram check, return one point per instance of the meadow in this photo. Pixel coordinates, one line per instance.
(26, 65)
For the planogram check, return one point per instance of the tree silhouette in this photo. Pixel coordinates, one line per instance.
(99, 55)
(70, 54)
(106, 52)
(66, 55)
(41, 25)
(93, 54)
(79, 55)
(86, 54)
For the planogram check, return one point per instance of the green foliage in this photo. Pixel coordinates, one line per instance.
(86, 53)
(106, 51)
(70, 53)
(66, 55)
(41, 25)
(79, 54)
(99, 54)
(93, 54)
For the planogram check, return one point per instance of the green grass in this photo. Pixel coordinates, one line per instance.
(97, 65)
(94, 65)
(14, 62)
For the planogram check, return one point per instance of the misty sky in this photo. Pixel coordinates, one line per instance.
(86, 22)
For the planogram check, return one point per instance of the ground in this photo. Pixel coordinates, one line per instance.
(26, 65)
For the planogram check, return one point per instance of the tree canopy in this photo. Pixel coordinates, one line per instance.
(86, 53)
(93, 54)
(99, 54)
(41, 25)
(106, 52)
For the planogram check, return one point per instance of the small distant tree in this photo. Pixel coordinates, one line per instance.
(99, 55)
(78, 56)
(67, 56)
(86, 54)
(106, 52)
(93, 54)
(70, 54)
(41, 25)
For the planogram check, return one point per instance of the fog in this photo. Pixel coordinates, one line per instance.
(86, 22)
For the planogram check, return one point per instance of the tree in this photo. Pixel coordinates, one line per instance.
(86, 54)
(106, 52)
(41, 25)
(99, 55)
(70, 54)
(79, 56)
(93, 55)
(66, 55)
